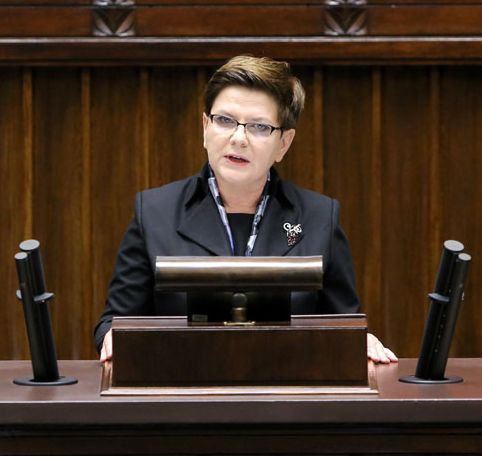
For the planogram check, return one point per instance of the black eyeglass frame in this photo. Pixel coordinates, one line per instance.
(244, 124)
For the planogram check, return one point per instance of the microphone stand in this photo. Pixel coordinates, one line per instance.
(35, 299)
(442, 317)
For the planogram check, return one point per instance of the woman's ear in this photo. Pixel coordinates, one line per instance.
(205, 125)
(286, 140)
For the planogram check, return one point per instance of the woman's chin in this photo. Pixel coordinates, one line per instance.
(235, 177)
(234, 171)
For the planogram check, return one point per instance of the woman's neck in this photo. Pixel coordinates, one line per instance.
(239, 199)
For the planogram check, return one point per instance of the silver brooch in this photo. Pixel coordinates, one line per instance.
(293, 232)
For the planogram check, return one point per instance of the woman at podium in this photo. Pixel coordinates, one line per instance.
(237, 204)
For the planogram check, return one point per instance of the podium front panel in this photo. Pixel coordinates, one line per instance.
(309, 351)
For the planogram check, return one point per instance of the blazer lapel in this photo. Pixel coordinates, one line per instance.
(201, 224)
(272, 239)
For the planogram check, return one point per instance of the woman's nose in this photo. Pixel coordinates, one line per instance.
(239, 135)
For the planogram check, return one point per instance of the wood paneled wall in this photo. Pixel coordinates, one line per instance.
(399, 147)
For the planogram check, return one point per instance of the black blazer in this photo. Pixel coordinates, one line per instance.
(181, 219)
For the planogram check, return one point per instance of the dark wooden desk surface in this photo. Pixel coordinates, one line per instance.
(402, 418)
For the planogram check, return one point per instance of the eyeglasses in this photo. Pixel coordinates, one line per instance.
(256, 129)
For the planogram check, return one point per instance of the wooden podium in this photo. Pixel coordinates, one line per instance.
(322, 354)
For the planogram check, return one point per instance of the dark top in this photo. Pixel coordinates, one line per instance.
(240, 224)
(181, 219)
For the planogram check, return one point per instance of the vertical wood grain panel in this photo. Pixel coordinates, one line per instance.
(352, 173)
(27, 108)
(461, 191)
(400, 148)
(435, 202)
(406, 191)
(58, 203)
(318, 134)
(27, 190)
(175, 124)
(117, 166)
(15, 166)
(303, 164)
(371, 286)
(144, 125)
(88, 315)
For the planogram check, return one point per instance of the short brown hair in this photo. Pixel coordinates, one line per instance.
(264, 74)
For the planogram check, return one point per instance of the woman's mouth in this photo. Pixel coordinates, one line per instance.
(236, 159)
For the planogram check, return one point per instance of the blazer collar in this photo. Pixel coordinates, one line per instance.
(201, 222)
(272, 237)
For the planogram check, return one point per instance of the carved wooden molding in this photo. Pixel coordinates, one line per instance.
(114, 18)
(114, 2)
(345, 17)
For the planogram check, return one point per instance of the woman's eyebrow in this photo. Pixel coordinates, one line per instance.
(261, 119)
(224, 113)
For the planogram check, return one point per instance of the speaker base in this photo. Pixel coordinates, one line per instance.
(31, 382)
(414, 379)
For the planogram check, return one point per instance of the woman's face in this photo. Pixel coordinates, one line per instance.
(239, 156)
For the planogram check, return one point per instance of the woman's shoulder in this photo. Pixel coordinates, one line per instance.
(164, 189)
(170, 192)
(304, 197)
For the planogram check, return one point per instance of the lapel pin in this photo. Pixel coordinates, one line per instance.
(293, 232)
